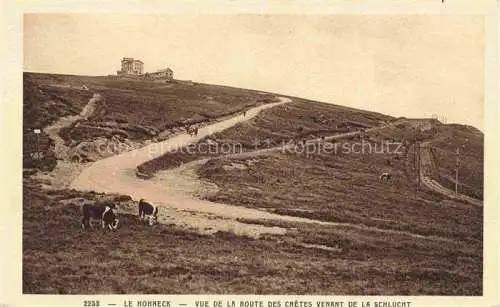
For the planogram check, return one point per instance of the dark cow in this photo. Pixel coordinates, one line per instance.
(100, 212)
(148, 212)
(385, 176)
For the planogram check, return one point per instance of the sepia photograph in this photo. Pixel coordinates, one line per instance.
(253, 154)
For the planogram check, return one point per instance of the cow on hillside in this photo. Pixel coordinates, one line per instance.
(100, 212)
(148, 213)
(385, 176)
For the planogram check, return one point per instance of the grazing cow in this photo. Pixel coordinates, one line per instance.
(148, 213)
(385, 176)
(100, 212)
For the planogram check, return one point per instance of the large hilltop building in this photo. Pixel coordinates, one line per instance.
(134, 68)
(131, 67)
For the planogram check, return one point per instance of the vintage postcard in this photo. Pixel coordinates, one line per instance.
(234, 154)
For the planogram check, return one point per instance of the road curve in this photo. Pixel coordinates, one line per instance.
(116, 174)
(112, 174)
(425, 168)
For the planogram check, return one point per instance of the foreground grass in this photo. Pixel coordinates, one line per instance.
(59, 257)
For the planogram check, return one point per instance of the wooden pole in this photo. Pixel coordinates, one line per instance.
(38, 145)
(456, 172)
(415, 158)
(418, 165)
(37, 132)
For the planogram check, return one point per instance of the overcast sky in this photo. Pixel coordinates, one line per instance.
(402, 65)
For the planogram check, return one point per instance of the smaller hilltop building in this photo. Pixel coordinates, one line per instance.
(166, 74)
(132, 68)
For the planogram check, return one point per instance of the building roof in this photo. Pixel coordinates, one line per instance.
(165, 69)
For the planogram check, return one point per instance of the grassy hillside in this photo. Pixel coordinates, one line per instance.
(152, 106)
(304, 120)
(341, 188)
(388, 238)
(42, 106)
(133, 109)
(300, 120)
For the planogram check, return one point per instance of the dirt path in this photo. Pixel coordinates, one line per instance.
(61, 150)
(65, 170)
(426, 166)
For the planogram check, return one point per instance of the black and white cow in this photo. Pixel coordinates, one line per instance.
(148, 212)
(100, 212)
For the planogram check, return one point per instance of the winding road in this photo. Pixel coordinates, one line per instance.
(173, 190)
(116, 174)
